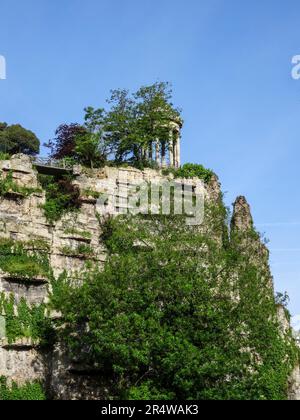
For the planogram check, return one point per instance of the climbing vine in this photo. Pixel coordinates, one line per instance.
(24, 321)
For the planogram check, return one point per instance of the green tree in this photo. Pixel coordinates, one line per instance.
(124, 132)
(175, 314)
(120, 125)
(135, 121)
(90, 146)
(155, 111)
(16, 139)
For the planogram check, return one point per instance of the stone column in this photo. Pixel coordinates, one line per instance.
(163, 155)
(171, 149)
(157, 152)
(177, 153)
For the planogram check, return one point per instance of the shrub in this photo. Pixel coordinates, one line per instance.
(16, 260)
(4, 156)
(61, 196)
(182, 319)
(8, 185)
(190, 170)
(91, 193)
(81, 249)
(82, 233)
(28, 392)
(24, 321)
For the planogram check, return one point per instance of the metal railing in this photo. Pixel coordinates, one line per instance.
(53, 163)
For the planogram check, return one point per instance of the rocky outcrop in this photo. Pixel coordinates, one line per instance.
(242, 219)
(102, 192)
(294, 385)
(23, 362)
(22, 219)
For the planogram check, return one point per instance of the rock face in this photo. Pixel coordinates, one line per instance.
(242, 219)
(294, 385)
(102, 192)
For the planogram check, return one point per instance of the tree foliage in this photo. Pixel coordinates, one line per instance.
(91, 146)
(64, 143)
(61, 196)
(16, 139)
(123, 132)
(175, 314)
(135, 121)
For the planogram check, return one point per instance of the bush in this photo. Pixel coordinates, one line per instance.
(16, 260)
(24, 321)
(80, 250)
(82, 233)
(4, 156)
(181, 318)
(27, 392)
(191, 170)
(61, 196)
(8, 185)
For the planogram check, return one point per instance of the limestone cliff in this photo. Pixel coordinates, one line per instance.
(22, 219)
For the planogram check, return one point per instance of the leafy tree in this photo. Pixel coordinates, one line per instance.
(61, 196)
(135, 121)
(175, 314)
(91, 146)
(64, 143)
(155, 111)
(124, 132)
(16, 139)
(121, 126)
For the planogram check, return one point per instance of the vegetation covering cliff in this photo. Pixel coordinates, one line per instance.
(134, 307)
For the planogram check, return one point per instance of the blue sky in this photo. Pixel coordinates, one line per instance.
(230, 65)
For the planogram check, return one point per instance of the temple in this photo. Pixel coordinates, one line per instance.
(168, 153)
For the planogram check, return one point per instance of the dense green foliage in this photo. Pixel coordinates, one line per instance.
(135, 121)
(191, 170)
(124, 132)
(23, 321)
(16, 139)
(28, 392)
(174, 314)
(25, 261)
(178, 312)
(16, 260)
(90, 193)
(80, 250)
(61, 196)
(64, 143)
(73, 231)
(8, 186)
(4, 156)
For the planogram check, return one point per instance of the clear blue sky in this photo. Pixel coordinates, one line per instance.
(230, 65)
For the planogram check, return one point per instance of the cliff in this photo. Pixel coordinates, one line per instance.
(73, 244)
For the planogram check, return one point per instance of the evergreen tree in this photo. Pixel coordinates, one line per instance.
(16, 139)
